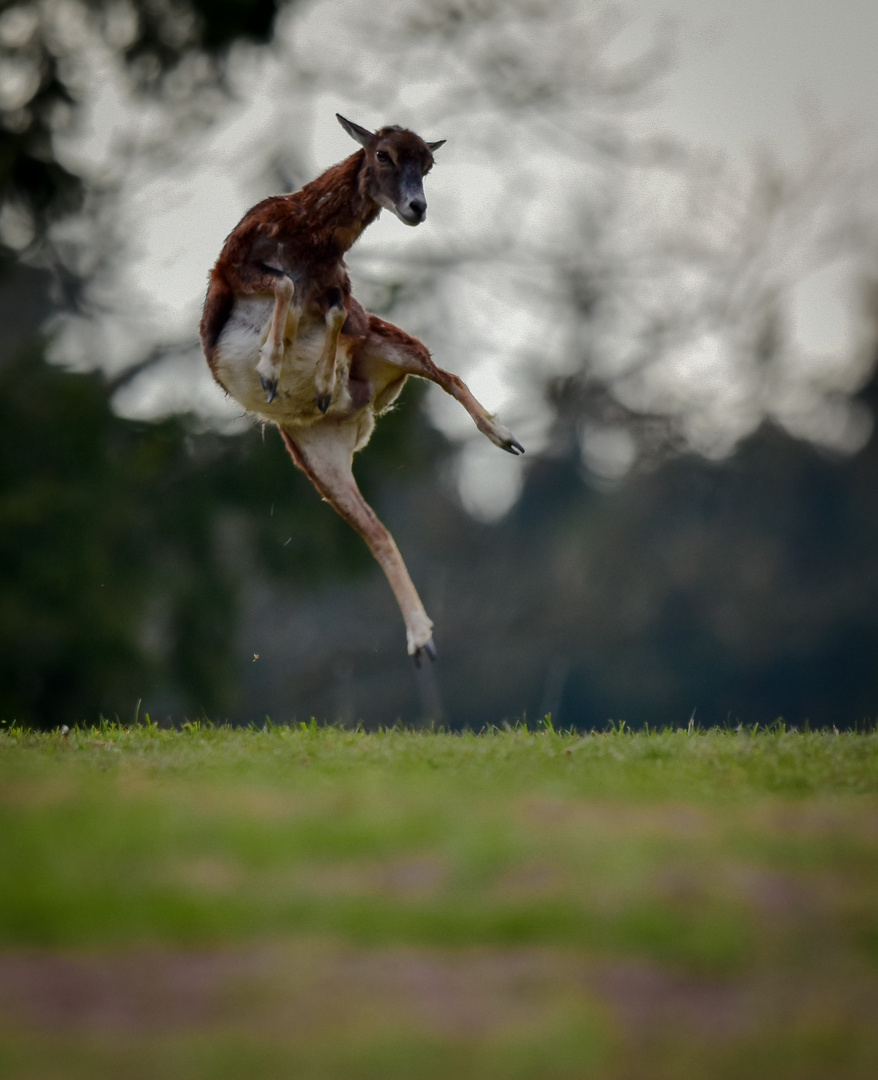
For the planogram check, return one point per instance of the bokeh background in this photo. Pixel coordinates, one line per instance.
(651, 248)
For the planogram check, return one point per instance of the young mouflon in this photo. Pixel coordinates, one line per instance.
(284, 336)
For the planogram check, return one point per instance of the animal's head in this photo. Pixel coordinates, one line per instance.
(396, 163)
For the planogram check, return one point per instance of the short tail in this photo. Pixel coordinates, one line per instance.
(218, 306)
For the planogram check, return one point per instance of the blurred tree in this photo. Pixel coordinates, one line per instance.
(744, 589)
(37, 91)
(113, 575)
(124, 548)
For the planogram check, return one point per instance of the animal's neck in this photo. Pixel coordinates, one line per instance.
(338, 206)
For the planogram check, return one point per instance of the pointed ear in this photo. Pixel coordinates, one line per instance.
(357, 133)
(434, 146)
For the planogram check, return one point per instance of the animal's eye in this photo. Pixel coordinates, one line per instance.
(384, 157)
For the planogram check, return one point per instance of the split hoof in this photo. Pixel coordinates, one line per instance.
(270, 388)
(502, 437)
(428, 649)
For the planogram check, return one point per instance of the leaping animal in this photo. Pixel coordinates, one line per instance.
(284, 336)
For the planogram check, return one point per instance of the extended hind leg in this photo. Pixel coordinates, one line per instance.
(324, 452)
(389, 353)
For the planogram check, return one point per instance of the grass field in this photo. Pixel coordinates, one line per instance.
(313, 902)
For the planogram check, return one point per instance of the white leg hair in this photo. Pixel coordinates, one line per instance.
(324, 452)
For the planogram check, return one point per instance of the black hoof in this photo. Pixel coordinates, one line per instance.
(270, 389)
(429, 648)
(324, 401)
(514, 447)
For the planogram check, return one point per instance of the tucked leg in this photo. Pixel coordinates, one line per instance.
(272, 351)
(324, 379)
(324, 452)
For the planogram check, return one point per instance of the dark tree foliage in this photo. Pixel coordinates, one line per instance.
(745, 590)
(124, 548)
(215, 24)
(161, 32)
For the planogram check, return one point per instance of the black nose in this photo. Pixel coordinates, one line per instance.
(418, 206)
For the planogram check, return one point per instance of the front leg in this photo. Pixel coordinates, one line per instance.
(272, 351)
(325, 375)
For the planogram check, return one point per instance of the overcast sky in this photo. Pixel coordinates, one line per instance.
(749, 70)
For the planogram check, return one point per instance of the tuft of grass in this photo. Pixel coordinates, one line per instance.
(516, 903)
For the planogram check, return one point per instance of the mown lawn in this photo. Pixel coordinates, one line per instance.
(315, 902)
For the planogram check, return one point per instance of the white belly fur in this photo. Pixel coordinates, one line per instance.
(237, 354)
